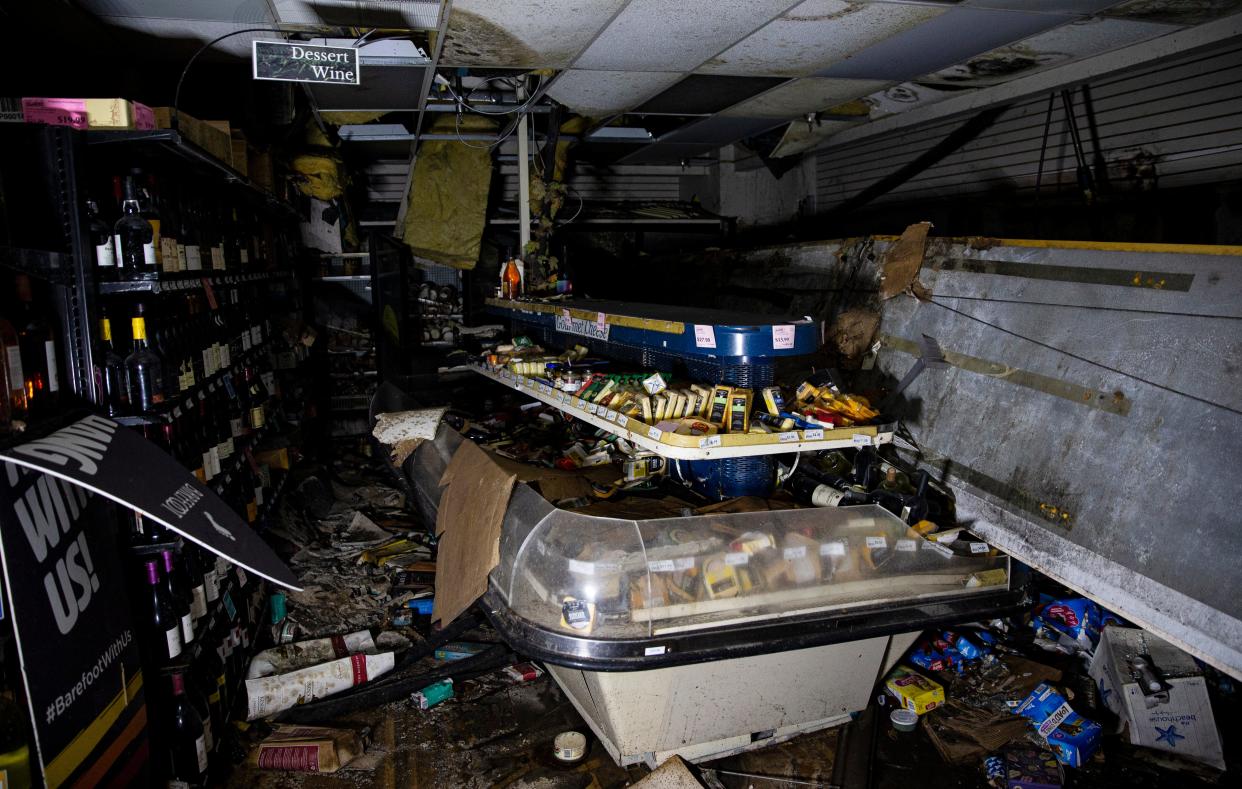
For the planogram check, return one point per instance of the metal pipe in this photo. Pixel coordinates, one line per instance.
(523, 135)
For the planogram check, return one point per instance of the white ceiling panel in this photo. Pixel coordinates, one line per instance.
(526, 34)
(905, 97)
(801, 96)
(800, 137)
(814, 35)
(1051, 48)
(659, 35)
(599, 93)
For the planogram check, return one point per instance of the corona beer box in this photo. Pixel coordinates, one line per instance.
(1158, 692)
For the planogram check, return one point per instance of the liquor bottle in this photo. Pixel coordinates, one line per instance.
(188, 745)
(15, 376)
(134, 238)
(179, 596)
(37, 340)
(101, 240)
(191, 227)
(149, 202)
(111, 383)
(144, 369)
(165, 625)
(511, 287)
(190, 567)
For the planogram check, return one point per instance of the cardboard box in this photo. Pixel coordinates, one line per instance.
(207, 135)
(914, 691)
(261, 169)
(1177, 716)
(307, 749)
(240, 157)
(88, 113)
(1072, 738)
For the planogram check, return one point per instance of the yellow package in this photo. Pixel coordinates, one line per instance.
(914, 691)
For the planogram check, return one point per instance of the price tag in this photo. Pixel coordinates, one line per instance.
(704, 336)
(593, 408)
(708, 442)
(560, 397)
(877, 542)
(861, 440)
(813, 434)
(782, 337)
(654, 651)
(734, 559)
(601, 320)
(622, 420)
(788, 436)
(794, 552)
(565, 314)
(834, 548)
(654, 433)
(582, 405)
(671, 565)
(978, 547)
(610, 415)
(907, 546)
(581, 568)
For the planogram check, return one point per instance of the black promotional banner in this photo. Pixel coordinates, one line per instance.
(105, 458)
(75, 638)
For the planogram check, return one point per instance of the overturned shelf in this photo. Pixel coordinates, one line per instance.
(681, 447)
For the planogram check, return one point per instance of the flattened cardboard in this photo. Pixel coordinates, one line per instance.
(903, 261)
(472, 509)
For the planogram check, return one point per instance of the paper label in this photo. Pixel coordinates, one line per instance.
(200, 748)
(241, 573)
(593, 408)
(708, 442)
(1054, 720)
(943, 550)
(173, 637)
(560, 397)
(782, 337)
(601, 322)
(622, 420)
(978, 547)
(794, 552)
(877, 542)
(704, 336)
(834, 548)
(654, 433)
(907, 545)
(671, 565)
(595, 330)
(734, 559)
(788, 436)
(611, 415)
(861, 440)
(814, 434)
(653, 651)
(654, 384)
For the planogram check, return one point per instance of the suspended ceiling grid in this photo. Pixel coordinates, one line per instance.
(742, 67)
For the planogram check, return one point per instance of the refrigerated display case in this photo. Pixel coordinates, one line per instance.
(709, 634)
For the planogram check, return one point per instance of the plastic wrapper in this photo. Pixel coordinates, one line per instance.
(1073, 622)
(1071, 737)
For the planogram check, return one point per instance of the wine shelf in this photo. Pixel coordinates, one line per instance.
(181, 284)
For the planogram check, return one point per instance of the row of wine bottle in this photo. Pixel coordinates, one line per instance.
(155, 226)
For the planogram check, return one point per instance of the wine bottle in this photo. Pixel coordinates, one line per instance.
(179, 596)
(37, 340)
(198, 699)
(165, 625)
(144, 369)
(101, 240)
(134, 238)
(112, 385)
(188, 746)
(191, 567)
(15, 376)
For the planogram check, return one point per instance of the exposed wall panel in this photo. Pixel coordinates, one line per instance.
(1183, 116)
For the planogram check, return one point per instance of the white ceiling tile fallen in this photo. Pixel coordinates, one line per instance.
(815, 34)
(526, 34)
(800, 96)
(664, 35)
(597, 93)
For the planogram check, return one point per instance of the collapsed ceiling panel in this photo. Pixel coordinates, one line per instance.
(942, 41)
(528, 34)
(599, 93)
(1051, 48)
(655, 35)
(800, 96)
(800, 136)
(815, 34)
(703, 94)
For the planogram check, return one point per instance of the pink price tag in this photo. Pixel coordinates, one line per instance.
(601, 320)
(782, 336)
(55, 112)
(704, 336)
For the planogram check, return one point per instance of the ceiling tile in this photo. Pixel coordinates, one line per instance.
(801, 96)
(1054, 47)
(527, 34)
(1192, 12)
(1045, 6)
(657, 35)
(800, 137)
(908, 96)
(599, 93)
(949, 38)
(815, 34)
(702, 94)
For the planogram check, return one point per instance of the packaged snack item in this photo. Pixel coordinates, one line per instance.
(914, 691)
(1072, 738)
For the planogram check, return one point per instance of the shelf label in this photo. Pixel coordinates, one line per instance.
(943, 550)
(560, 397)
(595, 330)
(704, 336)
(978, 547)
(593, 408)
(877, 542)
(582, 405)
(622, 420)
(788, 436)
(654, 433)
(708, 442)
(813, 434)
(861, 440)
(794, 552)
(907, 546)
(283, 61)
(611, 415)
(601, 322)
(734, 559)
(653, 651)
(671, 565)
(834, 548)
(782, 337)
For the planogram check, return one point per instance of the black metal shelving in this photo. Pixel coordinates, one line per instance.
(180, 284)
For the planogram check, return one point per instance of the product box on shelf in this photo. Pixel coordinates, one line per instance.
(240, 157)
(205, 134)
(1175, 713)
(88, 113)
